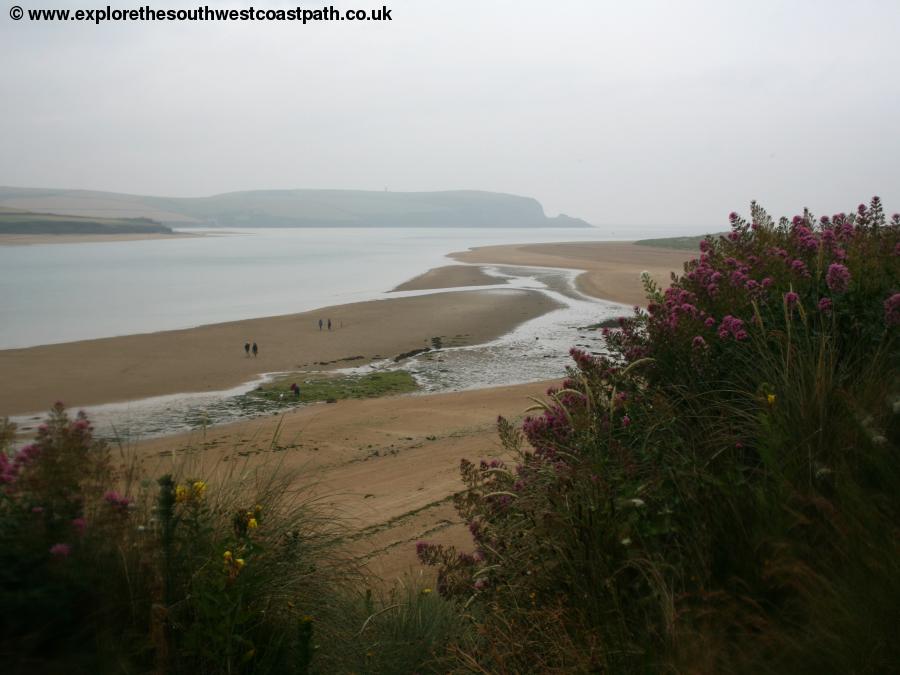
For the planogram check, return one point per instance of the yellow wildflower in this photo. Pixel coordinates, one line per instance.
(181, 493)
(227, 556)
(770, 398)
(426, 591)
(239, 563)
(199, 489)
(252, 524)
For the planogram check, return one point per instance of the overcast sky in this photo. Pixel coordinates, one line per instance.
(622, 113)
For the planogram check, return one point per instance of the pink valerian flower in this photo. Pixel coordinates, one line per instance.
(837, 278)
(116, 500)
(8, 471)
(738, 278)
(626, 421)
(766, 282)
(806, 239)
(60, 550)
(27, 455)
(710, 322)
(892, 310)
(79, 525)
(791, 299)
(731, 326)
(37, 509)
(698, 342)
(825, 305)
(799, 267)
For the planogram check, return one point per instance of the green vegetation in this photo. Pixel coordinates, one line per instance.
(307, 208)
(720, 496)
(104, 569)
(26, 222)
(335, 387)
(679, 243)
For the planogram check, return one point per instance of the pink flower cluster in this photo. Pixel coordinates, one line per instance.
(10, 467)
(763, 269)
(117, 501)
(732, 327)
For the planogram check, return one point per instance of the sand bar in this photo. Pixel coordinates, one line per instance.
(37, 239)
(612, 269)
(210, 358)
(450, 276)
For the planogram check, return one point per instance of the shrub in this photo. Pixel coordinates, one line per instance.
(721, 492)
(99, 573)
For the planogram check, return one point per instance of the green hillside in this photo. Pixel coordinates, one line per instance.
(14, 221)
(299, 208)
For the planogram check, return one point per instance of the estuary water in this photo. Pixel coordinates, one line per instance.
(64, 292)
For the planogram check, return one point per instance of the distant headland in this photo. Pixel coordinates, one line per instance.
(296, 208)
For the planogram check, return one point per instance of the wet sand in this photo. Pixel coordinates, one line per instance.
(612, 269)
(211, 358)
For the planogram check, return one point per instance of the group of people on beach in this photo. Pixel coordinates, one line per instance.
(254, 348)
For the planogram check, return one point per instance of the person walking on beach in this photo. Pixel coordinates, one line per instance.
(329, 324)
(247, 349)
(255, 350)
(320, 324)
(296, 390)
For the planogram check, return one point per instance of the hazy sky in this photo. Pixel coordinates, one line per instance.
(622, 113)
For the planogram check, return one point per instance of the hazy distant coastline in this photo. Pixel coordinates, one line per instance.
(22, 222)
(298, 208)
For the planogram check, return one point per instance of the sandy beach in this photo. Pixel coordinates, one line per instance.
(36, 239)
(388, 466)
(210, 358)
(612, 269)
